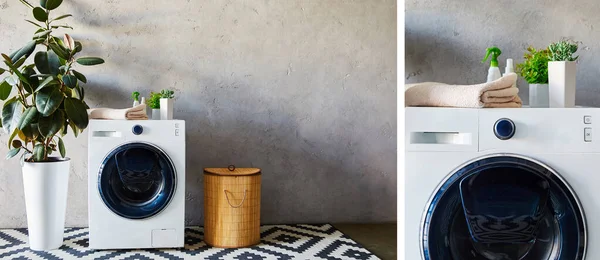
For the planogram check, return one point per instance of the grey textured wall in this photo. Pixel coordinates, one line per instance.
(446, 39)
(305, 90)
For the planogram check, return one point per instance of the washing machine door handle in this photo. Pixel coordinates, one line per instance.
(501, 207)
(138, 169)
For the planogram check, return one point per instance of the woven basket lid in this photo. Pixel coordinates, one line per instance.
(232, 171)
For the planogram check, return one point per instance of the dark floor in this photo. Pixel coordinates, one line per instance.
(377, 238)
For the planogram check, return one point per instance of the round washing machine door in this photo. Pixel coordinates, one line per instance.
(504, 207)
(137, 180)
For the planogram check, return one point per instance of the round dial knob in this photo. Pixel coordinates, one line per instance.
(504, 128)
(137, 130)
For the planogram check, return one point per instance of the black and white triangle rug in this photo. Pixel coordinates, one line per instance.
(277, 242)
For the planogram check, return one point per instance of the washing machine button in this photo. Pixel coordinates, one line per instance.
(137, 130)
(504, 128)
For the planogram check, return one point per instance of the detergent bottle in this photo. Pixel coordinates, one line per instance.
(494, 71)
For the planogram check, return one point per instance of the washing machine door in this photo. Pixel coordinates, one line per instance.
(504, 207)
(137, 180)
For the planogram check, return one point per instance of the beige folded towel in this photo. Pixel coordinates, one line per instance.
(133, 113)
(495, 94)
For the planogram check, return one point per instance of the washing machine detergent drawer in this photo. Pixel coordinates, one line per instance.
(504, 208)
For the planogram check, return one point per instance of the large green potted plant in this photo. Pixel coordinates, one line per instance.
(43, 100)
(534, 70)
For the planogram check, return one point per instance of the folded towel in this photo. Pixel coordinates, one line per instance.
(133, 113)
(495, 94)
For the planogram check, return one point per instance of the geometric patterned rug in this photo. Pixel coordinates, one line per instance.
(277, 242)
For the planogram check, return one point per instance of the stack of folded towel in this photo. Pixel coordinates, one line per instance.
(500, 93)
(134, 113)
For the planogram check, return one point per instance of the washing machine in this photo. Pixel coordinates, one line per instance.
(136, 183)
(502, 184)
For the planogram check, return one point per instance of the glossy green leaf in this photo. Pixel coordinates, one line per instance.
(77, 113)
(34, 82)
(78, 47)
(42, 34)
(39, 152)
(90, 61)
(2, 71)
(79, 76)
(61, 147)
(50, 125)
(47, 62)
(12, 80)
(31, 131)
(6, 58)
(74, 128)
(13, 152)
(26, 3)
(28, 116)
(16, 71)
(70, 81)
(49, 81)
(5, 90)
(34, 23)
(60, 17)
(11, 114)
(40, 14)
(48, 100)
(14, 134)
(60, 51)
(20, 62)
(50, 4)
(25, 51)
(62, 26)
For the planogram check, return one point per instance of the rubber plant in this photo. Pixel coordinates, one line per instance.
(48, 94)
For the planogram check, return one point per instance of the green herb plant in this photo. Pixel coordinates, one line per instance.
(167, 93)
(154, 100)
(563, 50)
(49, 96)
(135, 95)
(535, 67)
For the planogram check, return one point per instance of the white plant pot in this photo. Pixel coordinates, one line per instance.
(156, 114)
(166, 109)
(538, 95)
(562, 77)
(46, 185)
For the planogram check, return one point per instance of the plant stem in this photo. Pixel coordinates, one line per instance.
(23, 98)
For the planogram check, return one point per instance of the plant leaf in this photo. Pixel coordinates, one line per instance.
(79, 76)
(61, 26)
(26, 3)
(77, 113)
(60, 17)
(74, 128)
(78, 47)
(13, 152)
(70, 81)
(49, 81)
(39, 152)
(60, 51)
(12, 136)
(25, 51)
(40, 14)
(68, 40)
(5, 90)
(34, 82)
(50, 4)
(42, 34)
(47, 62)
(28, 116)
(90, 61)
(50, 125)
(31, 131)
(34, 23)
(11, 114)
(48, 100)
(2, 71)
(61, 147)
(16, 71)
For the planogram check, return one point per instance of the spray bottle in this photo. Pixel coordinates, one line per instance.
(510, 69)
(494, 71)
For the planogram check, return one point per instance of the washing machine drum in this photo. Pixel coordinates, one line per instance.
(137, 180)
(504, 208)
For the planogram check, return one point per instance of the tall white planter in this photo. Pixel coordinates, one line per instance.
(46, 185)
(156, 114)
(562, 80)
(538, 95)
(166, 109)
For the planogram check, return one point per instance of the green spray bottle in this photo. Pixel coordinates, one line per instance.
(494, 71)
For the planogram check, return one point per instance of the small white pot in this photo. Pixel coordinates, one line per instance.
(46, 185)
(166, 109)
(156, 114)
(562, 77)
(538, 95)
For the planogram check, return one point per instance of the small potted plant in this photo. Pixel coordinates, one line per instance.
(154, 103)
(47, 101)
(535, 71)
(562, 73)
(166, 104)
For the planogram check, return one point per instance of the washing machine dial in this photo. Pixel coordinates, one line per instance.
(137, 130)
(504, 128)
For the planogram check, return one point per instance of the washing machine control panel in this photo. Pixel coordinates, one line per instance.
(504, 128)
(137, 129)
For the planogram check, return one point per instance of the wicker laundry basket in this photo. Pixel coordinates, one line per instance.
(232, 207)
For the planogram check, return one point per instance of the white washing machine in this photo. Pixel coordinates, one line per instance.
(136, 183)
(519, 183)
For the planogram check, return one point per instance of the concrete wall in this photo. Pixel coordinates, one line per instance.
(446, 39)
(305, 90)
